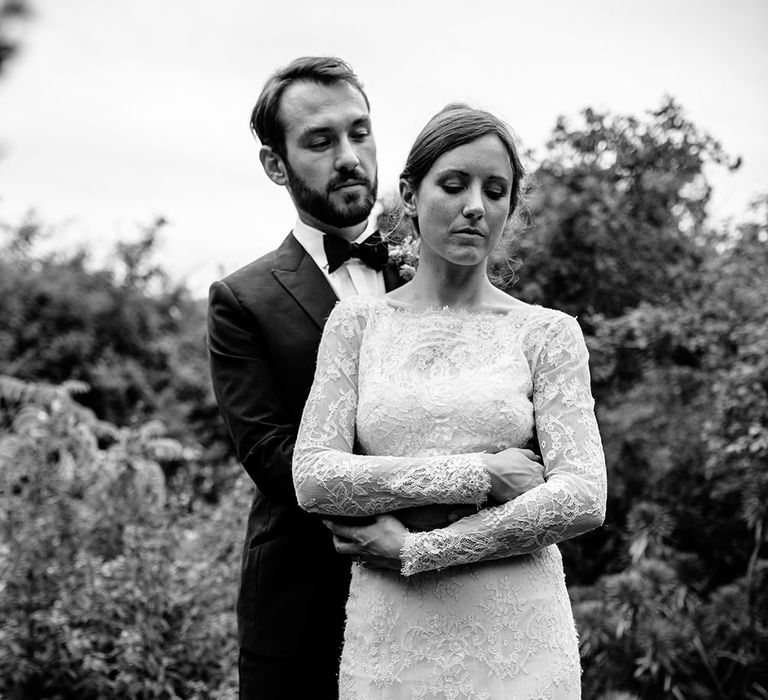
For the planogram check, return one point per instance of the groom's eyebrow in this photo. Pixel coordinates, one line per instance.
(362, 121)
(323, 130)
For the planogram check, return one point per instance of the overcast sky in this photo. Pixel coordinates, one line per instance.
(118, 111)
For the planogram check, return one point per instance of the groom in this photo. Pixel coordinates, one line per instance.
(264, 325)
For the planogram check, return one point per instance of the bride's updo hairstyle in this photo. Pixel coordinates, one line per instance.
(453, 126)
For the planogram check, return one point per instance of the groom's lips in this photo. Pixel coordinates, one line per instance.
(351, 183)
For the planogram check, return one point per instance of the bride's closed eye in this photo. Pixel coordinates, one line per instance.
(495, 192)
(452, 187)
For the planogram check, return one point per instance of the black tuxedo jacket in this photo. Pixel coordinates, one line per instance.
(264, 327)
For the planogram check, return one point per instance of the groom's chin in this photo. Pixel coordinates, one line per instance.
(351, 215)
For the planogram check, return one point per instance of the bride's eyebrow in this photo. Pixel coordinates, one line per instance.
(452, 172)
(455, 172)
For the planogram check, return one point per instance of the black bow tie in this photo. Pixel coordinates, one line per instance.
(372, 251)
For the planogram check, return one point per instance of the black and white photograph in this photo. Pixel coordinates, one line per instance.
(390, 351)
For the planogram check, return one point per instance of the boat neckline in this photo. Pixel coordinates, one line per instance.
(488, 311)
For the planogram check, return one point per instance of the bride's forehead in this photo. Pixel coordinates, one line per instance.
(485, 154)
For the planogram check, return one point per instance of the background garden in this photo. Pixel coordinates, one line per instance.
(122, 510)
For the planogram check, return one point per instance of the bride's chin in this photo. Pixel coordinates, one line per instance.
(467, 257)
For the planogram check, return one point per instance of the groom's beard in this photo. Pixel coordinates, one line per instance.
(347, 211)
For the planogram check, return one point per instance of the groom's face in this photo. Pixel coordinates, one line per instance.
(330, 153)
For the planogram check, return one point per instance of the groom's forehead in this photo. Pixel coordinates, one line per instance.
(307, 106)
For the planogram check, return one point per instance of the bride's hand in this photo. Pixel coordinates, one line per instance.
(377, 544)
(513, 472)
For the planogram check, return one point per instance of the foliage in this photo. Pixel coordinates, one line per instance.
(133, 336)
(10, 11)
(618, 205)
(62, 320)
(672, 601)
(649, 629)
(106, 589)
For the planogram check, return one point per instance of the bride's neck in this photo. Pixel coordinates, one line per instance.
(456, 287)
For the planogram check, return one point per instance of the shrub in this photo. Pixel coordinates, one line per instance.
(106, 589)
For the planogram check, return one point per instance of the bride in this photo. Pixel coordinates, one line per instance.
(422, 397)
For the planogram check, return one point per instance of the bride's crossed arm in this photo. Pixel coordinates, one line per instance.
(329, 479)
(570, 502)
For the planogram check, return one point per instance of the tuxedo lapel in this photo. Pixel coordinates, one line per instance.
(302, 279)
(392, 278)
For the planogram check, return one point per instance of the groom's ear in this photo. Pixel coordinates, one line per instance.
(273, 165)
(408, 196)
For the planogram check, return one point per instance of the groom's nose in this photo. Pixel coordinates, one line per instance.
(346, 155)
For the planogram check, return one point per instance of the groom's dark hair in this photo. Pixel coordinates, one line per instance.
(325, 70)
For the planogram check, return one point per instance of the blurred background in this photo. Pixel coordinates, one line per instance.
(129, 181)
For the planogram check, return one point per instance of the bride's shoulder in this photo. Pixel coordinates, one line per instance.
(552, 319)
(359, 304)
(358, 309)
(535, 317)
(542, 314)
(506, 304)
(550, 331)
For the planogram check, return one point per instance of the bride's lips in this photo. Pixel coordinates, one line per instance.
(470, 231)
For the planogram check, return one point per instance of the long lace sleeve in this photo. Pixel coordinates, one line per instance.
(571, 502)
(329, 478)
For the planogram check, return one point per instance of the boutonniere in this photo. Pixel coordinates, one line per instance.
(405, 256)
(402, 241)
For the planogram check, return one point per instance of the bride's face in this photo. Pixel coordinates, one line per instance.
(462, 204)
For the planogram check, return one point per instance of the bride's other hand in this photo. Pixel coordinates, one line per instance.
(377, 544)
(513, 472)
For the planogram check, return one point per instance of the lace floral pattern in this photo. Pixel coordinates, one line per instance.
(330, 479)
(480, 608)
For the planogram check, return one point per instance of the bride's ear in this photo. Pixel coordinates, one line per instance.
(273, 165)
(408, 196)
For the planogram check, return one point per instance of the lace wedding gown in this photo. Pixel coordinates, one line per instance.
(480, 608)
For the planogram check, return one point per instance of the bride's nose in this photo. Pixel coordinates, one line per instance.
(473, 206)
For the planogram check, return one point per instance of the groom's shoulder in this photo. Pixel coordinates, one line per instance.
(252, 272)
(258, 272)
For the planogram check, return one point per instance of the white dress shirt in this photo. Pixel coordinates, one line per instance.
(354, 277)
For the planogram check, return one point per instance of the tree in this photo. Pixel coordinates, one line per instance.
(135, 337)
(618, 207)
(10, 12)
(681, 610)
